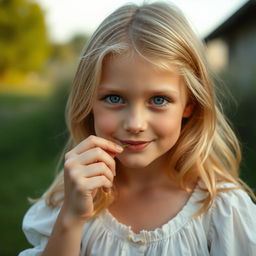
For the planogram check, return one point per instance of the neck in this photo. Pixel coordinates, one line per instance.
(154, 175)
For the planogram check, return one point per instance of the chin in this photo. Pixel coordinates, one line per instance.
(133, 163)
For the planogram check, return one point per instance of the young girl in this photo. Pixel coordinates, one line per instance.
(151, 166)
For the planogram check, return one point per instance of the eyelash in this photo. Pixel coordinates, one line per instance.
(163, 97)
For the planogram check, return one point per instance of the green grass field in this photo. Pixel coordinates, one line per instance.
(32, 136)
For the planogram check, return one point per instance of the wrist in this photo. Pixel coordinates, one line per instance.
(68, 221)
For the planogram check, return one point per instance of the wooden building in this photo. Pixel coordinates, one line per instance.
(232, 46)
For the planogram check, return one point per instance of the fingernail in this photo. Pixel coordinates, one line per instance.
(119, 148)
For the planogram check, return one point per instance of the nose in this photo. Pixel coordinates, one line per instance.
(135, 121)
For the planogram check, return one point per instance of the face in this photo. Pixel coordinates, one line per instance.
(137, 102)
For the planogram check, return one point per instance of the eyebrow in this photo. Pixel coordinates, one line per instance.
(157, 90)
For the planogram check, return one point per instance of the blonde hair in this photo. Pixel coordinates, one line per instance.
(207, 148)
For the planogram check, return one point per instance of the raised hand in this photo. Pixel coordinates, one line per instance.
(88, 166)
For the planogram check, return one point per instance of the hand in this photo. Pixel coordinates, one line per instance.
(87, 167)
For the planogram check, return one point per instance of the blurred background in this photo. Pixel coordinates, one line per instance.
(40, 42)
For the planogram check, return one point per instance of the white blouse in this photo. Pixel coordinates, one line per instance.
(227, 228)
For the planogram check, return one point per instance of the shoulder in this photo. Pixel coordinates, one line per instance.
(38, 221)
(233, 224)
(37, 226)
(234, 205)
(230, 202)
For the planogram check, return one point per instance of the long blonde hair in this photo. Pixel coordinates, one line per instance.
(158, 32)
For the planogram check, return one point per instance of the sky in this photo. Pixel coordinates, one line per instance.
(65, 18)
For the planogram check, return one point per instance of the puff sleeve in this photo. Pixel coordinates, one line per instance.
(37, 225)
(233, 227)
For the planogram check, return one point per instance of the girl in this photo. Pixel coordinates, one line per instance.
(151, 166)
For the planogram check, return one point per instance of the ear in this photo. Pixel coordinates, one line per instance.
(188, 110)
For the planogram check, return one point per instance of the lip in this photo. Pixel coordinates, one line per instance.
(134, 142)
(135, 145)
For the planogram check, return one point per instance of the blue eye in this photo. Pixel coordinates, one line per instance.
(160, 100)
(113, 99)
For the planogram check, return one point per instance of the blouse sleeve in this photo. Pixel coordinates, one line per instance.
(37, 225)
(233, 229)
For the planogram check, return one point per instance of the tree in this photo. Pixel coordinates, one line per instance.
(24, 44)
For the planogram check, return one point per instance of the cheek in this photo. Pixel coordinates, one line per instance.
(104, 123)
(169, 127)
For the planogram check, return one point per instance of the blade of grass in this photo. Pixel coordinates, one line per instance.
(125, 145)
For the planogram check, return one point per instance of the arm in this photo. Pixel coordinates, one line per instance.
(66, 237)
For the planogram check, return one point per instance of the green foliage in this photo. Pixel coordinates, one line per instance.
(238, 102)
(69, 51)
(23, 37)
(77, 43)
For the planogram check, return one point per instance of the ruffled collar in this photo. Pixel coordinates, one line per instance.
(163, 232)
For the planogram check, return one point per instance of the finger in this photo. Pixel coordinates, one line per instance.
(72, 154)
(69, 154)
(96, 169)
(94, 141)
(112, 154)
(95, 155)
(97, 182)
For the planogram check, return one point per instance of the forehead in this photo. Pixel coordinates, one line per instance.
(129, 58)
(132, 72)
